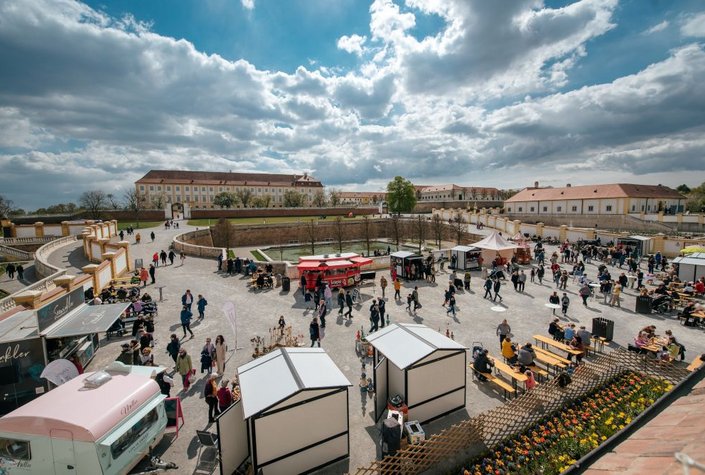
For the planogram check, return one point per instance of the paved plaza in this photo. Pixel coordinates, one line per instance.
(258, 311)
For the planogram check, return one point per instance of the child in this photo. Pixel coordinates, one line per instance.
(409, 299)
(282, 324)
(533, 274)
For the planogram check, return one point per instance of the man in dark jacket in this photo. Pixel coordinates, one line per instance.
(314, 332)
(125, 355)
(374, 317)
(482, 364)
(349, 303)
(382, 309)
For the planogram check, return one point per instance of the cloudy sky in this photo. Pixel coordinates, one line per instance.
(495, 93)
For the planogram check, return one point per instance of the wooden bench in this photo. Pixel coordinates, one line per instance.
(550, 354)
(545, 341)
(695, 364)
(542, 373)
(506, 387)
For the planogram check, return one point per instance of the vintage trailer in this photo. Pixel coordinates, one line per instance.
(337, 270)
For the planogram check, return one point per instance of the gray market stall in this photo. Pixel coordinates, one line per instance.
(466, 257)
(293, 415)
(690, 267)
(405, 264)
(641, 244)
(422, 366)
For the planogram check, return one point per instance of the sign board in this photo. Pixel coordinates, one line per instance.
(21, 365)
(59, 308)
(174, 412)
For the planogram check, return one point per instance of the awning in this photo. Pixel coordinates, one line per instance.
(308, 265)
(86, 320)
(361, 261)
(403, 254)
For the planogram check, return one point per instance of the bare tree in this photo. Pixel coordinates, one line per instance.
(339, 232)
(437, 229)
(93, 201)
(134, 202)
(310, 232)
(319, 199)
(293, 199)
(367, 231)
(334, 197)
(420, 230)
(224, 234)
(459, 228)
(159, 200)
(395, 228)
(113, 201)
(5, 207)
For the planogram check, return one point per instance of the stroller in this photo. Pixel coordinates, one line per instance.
(662, 304)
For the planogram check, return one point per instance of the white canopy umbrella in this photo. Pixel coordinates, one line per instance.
(59, 371)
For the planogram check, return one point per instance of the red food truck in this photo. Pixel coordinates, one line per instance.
(338, 270)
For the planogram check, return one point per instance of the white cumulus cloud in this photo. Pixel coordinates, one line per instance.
(657, 27)
(694, 26)
(352, 44)
(248, 4)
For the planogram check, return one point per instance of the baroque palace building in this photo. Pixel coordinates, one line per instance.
(197, 188)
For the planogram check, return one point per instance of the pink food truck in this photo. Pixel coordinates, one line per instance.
(96, 423)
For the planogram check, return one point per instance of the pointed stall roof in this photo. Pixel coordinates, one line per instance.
(495, 242)
(275, 377)
(407, 343)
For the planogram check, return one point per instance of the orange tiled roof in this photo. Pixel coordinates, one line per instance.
(227, 178)
(585, 192)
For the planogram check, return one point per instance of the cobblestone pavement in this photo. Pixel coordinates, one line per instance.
(259, 311)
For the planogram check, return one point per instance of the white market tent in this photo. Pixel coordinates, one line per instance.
(467, 257)
(293, 411)
(424, 367)
(494, 245)
(690, 267)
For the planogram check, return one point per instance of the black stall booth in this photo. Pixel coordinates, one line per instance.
(406, 264)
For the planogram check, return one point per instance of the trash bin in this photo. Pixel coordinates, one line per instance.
(643, 304)
(286, 284)
(603, 328)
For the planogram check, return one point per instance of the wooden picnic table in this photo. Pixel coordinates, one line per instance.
(550, 354)
(545, 341)
(550, 361)
(504, 368)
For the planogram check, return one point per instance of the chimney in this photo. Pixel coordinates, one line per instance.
(536, 184)
(568, 185)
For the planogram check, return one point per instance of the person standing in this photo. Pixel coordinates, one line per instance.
(207, 354)
(201, 306)
(381, 305)
(397, 289)
(415, 298)
(322, 310)
(186, 320)
(341, 301)
(451, 305)
(503, 330)
(540, 273)
(374, 317)
(584, 293)
(383, 285)
(182, 257)
(522, 281)
(328, 296)
(220, 349)
(565, 303)
(497, 287)
(173, 347)
(466, 280)
(155, 259)
(616, 291)
(314, 332)
(349, 303)
(554, 300)
(225, 395)
(153, 273)
(126, 355)
(144, 275)
(10, 269)
(152, 235)
(187, 300)
(488, 288)
(210, 392)
(184, 367)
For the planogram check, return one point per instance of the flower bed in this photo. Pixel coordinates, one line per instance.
(554, 444)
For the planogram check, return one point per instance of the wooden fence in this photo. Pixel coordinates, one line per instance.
(443, 452)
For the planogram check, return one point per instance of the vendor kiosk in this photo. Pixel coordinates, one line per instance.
(402, 262)
(293, 415)
(467, 257)
(641, 244)
(96, 423)
(337, 270)
(690, 267)
(422, 366)
(495, 249)
(523, 251)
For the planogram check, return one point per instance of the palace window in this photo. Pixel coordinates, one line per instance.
(591, 208)
(608, 208)
(574, 209)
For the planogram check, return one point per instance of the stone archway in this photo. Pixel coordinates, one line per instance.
(177, 210)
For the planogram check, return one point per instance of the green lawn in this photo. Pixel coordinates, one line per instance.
(122, 225)
(267, 220)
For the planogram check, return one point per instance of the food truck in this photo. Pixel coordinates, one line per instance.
(96, 423)
(337, 270)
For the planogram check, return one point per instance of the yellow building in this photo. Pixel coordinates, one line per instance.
(160, 188)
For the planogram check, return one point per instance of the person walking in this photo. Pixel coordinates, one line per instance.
(152, 235)
(153, 273)
(503, 331)
(122, 235)
(182, 257)
(381, 305)
(314, 332)
(565, 303)
(555, 300)
(540, 273)
(397, 289)
(186, 320)
(220, 350)
(144, 275)
(488, 288)
(187, 299)
(522, 281)
(328, 296)
(616, 291)
(162, 256)
(210, 392)
(466, 280)
(10, 269)
(207, 354)
(173, 347)
(497, 287)
(415, 298)
(349, 303)
(171, 256)
(322, 311)
(341, 301)
(383, 285)
(451, 305)
(584, 293)
(184, 367)
(155, 259)
(20, 272)
(201, 306)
